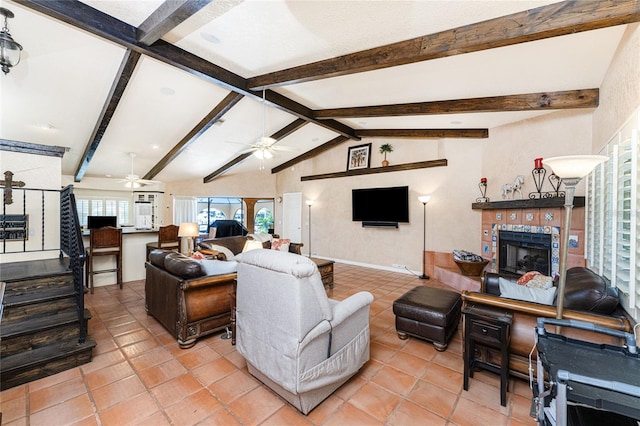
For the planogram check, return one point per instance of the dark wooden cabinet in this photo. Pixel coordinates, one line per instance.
(489, 327)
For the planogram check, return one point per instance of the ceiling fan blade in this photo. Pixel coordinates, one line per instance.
(245, 151)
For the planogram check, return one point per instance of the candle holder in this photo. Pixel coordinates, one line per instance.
(555, 182)
(538, 174)
(483, 191)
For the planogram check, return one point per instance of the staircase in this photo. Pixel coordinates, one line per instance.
(40, 330)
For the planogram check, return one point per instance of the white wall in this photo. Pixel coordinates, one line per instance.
(42, 172)
(451, 223)
(511, 150)
(620, 89)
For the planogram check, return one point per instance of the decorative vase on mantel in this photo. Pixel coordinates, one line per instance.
(383, 150)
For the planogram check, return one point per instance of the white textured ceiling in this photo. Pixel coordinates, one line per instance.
(55, 95)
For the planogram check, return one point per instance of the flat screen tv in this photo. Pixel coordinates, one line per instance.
(95, 222)
(380, 206)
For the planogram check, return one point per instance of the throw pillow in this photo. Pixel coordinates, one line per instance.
(222, 249)
(197, 255)
(219, 267)
(281, 244)
(540, 281)
(523, 280)
(510, 290)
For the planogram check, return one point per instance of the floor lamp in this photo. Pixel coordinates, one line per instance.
(424, 199)
(309, 204)
(571, 169)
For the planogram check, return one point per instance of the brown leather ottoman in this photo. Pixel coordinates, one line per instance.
(428, 313)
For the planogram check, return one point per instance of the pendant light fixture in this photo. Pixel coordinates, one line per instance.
(9, 49)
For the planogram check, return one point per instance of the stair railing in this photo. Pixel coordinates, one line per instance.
(71, 244)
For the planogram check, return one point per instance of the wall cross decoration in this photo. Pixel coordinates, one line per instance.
(8, 184)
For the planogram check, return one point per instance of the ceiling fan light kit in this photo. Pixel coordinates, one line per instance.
(132, 180)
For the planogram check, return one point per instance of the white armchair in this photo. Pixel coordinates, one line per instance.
(295, 339)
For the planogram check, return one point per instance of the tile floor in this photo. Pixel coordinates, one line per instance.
(139, 375)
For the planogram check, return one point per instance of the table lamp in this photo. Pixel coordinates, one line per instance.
(188, 230)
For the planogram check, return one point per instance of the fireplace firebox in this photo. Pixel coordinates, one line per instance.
(521, 252)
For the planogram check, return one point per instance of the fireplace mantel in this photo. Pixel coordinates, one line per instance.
(527, 203)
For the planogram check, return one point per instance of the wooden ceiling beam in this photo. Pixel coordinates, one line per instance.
(80, 15)
(570, 99)
(424, 133)
(280, 134)
(395, 133)
(214, 115)
(166, 17)
(557, 19)
(123, 76)
(310, 154)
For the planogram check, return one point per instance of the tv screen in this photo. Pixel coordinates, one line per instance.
(381, 204)
(95, 222)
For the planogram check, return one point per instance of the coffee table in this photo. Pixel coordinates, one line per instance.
(325, 267)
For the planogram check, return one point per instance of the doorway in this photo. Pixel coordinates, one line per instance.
(292, 216)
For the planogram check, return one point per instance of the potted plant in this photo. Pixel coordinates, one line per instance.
(384, 148)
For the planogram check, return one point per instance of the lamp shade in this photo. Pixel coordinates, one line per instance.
(574, 166)
(424, 199)
(188, 229)
(309, 202)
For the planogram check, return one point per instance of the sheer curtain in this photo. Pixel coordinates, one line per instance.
(185, 209)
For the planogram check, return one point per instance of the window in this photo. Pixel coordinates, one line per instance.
(263, 221)
(613, 218)
(103, 207)
(211, 209)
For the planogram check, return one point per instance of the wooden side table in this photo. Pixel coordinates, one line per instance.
(490, 327)
(325, 267)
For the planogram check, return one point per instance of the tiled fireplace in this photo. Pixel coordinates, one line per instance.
(522, 235)
(528, 249)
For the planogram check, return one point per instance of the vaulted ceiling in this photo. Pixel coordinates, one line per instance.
(180, 83)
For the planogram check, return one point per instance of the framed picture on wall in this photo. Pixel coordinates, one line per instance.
(359, 157)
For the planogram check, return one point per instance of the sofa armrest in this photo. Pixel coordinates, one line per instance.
(491, 283)
(207, 281)
(341, 311)
(538, 310)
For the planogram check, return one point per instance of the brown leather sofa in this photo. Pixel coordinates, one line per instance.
(236, 244)
(186, 301)
(588, 297)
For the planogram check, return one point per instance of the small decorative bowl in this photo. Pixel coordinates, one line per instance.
(472, 269)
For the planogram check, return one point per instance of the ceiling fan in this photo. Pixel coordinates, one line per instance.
(134, 181)
(264, 147)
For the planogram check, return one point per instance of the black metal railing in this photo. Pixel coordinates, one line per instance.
(71, 244)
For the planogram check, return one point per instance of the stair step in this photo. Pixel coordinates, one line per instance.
(32, 307)
(42, 362)
(15, 300)
(41, 323)
(37, 285)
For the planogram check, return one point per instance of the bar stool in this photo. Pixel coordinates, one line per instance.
(167, 238)
(105, 241)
